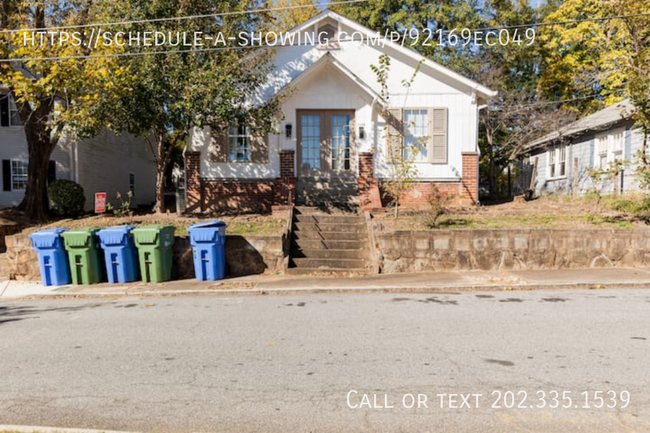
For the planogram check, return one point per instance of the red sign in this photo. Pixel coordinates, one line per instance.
(100, 202)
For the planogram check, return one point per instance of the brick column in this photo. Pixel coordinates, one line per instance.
(193, 182)
(470, 177)
(285, 185)
(369, 196)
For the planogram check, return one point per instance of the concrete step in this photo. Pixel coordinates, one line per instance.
(328, 272)
(329, 254)
(329, 244)
(327, 263)
(326, 210)
(330, 235)
(330, 219)
(326, 227)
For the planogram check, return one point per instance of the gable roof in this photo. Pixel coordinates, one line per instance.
(478, 88)
(596, 121)
(329, 59)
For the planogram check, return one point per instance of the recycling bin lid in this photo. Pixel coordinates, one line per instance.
(78, 237)
(207, 224)
(114, 235)
(149, 234)
(46, 238)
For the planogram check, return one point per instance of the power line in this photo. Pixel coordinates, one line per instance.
(559, 23)
(183, 18)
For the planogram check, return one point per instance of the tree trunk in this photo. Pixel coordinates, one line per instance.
(40, 144)
(491, 174)
(162, 159)
(35, 202)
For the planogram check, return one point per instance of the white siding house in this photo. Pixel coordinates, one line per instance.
(564, 157)
(332, 129)
(106, 163)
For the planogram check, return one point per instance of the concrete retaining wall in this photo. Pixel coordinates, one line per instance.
(245, 255)
(442, 250)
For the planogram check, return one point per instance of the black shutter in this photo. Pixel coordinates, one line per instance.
(4, 110)
(51, 172)
(6, 175)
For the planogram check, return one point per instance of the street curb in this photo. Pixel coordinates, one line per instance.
(338, 291)
(39, 429)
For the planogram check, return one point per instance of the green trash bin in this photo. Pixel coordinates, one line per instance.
(84, 255)
(154, 244)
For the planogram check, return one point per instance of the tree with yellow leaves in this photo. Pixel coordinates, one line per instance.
(592, 57)
(285, 19)
(58, 97)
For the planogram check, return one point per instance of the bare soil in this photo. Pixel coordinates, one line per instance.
(553, 212)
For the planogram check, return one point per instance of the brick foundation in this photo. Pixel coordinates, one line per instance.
(261, 195)
(470, 177)
(369, 195)
(239, 196)
(193, 181)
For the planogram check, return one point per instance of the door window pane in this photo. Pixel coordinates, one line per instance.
(341, 142)
(310, 136)
(415, 133)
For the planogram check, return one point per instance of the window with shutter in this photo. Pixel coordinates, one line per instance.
(438, 125)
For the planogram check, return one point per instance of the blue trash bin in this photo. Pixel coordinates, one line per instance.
(209, 250)
(52, 257)
(120, 254)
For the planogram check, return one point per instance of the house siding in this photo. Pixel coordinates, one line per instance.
(122, 155)
(102, 163)
(13, 145)
(584, 149)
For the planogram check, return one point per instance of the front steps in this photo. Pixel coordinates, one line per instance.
(322, 192)
(328, 242)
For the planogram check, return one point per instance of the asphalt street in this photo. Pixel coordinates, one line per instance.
(317, 363)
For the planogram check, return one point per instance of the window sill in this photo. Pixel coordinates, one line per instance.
(556, 178)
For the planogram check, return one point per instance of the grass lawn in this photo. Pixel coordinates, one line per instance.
(237, 225)
(553, 212)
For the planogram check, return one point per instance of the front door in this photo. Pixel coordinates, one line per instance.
(326, 143)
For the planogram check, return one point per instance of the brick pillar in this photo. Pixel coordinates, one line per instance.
(369, 196)
(193, 182)
(470, 177)
(285, 185)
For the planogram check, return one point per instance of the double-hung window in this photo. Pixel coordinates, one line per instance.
(609, 147)
(18, 175)
(557, 162)
(239, 143)
(415, 135)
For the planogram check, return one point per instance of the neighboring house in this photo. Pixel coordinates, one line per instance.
(330, 143)
(563, 157)
(106, 163)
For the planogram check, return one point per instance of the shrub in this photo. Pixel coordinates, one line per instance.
(438, 206)
(67, 198)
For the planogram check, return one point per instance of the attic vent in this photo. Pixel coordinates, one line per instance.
(328, 37)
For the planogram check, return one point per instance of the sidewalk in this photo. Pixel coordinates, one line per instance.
(611, 278)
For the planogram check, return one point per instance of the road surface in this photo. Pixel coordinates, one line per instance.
(331, 363)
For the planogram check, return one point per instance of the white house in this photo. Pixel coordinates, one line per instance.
(106, 163)
(332, 137)
(564, 156)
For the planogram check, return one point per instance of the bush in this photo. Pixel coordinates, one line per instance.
(438, 206)
(67, 198)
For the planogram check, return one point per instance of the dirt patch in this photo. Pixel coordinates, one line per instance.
(554, 212)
